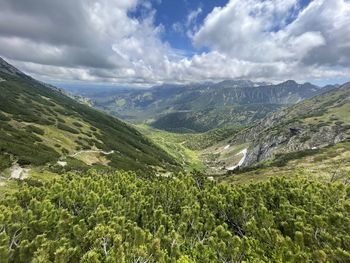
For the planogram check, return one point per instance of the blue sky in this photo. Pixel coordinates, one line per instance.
(149, 42)
(171, 12)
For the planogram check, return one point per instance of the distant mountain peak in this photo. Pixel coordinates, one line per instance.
(290, 82)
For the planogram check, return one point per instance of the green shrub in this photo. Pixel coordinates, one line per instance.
(5, 162)
(282, 159)
(34, 129)
(77, 124)
(3, 117)
(67, 128)
(102, 216)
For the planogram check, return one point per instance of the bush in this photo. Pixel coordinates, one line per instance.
(3, 117)
(118, 216)
(67, 128)
(77, 124)
(282, 159)
(5, 162)
(34, 129)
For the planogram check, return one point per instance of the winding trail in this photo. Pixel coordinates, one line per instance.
(92, 151)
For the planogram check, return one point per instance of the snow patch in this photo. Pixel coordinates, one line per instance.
(226, 147)
(244, 152)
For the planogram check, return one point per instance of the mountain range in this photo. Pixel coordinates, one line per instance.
(201, 107)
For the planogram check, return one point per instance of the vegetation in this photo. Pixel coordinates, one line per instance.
(201, 107)
(35, 119)
(119, 217)
(212, 118)
(73, 205)
(26, 146)
(328, 164)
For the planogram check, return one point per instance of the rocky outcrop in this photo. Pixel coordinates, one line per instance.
(294, 140)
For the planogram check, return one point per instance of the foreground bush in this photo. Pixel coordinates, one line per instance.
(119, 217)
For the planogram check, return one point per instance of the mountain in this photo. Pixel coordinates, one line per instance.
(204, 106)
(300, 129)
(40, 124)
(211, 118)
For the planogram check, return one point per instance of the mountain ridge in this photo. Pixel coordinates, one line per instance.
(163, 105)
(40, 125)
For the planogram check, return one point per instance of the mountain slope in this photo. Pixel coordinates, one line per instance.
(39, 124)
(209, 105)
(211, 118)
(307, 126)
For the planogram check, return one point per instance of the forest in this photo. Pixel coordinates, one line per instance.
(106, 216)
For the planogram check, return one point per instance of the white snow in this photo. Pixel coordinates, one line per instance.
(226, 147)
(244, 152)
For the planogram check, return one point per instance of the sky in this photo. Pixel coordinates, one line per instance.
(149, 42)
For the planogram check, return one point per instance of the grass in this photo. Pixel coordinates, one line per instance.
(332, 116)
(175, 145)
(327, 164)
(8, 187)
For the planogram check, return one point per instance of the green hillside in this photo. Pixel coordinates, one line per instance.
(213, 118)
(40, 125)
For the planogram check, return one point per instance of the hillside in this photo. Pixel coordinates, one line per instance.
(307, 126)
(212, 118)
(40, 125)
(201, 107)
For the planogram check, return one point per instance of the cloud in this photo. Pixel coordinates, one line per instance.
(254, 31)
(192, 16)
(102, 41)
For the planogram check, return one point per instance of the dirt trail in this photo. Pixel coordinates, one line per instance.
(92, 151)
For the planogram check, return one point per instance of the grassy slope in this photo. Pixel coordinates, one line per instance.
(38, 125)
(210, 118)
(327, 165)
(187, 148)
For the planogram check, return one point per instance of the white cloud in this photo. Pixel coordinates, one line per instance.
(192, 16)
(98, 40)
(254, 31)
